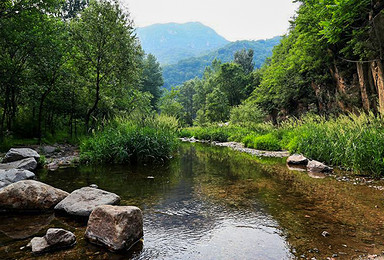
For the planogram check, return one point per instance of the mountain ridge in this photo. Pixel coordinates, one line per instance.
(172, 42)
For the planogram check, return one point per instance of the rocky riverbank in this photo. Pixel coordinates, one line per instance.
(117, 228)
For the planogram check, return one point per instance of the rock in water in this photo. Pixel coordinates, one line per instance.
(16, 154)
(56, 238)
(115, 227)
(30, 195)
(81, 202)
(29, 164)
(315, 166)
(14, 175)
(297, 159)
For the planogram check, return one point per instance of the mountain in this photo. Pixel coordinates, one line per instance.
(173, 42)
(193, 67)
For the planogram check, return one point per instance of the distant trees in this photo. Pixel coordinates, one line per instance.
(152, 79)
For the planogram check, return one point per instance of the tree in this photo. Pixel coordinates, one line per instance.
(186, 99)
(245, 59)
(169, 104)
(232, 82)
(152, 79)
(107, 52)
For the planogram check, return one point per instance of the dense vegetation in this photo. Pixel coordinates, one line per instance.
(351, 141)
(68, 67)
(191, 68)
(149, 140)
(330, 64)
(172, 42)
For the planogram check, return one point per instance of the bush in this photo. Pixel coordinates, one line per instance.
(267, 142)
(129, 143)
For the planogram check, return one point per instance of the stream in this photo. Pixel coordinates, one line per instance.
(215, 203)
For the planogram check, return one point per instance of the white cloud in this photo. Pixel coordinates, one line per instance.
(235, 20)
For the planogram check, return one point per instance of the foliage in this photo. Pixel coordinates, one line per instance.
(126, 142)
(246, 113)
(187, 69)
(67, 66)
(267, 142)
(152, 79)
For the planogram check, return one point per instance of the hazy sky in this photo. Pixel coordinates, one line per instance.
(233, 19)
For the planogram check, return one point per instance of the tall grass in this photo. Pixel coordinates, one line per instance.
(354, 142)
(152, 140)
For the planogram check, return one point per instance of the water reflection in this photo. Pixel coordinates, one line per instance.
(214, 203)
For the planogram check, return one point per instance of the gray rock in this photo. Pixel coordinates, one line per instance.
(17, 154)
(29, 164)
(81, 202)
(47, 149)
(30, 195)
(56, 238)
(115, 227)
(14, 175)
(315, 166)
(297, 159)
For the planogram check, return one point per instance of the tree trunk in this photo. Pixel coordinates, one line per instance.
(378, 79)
(97, 98)
(363, 83)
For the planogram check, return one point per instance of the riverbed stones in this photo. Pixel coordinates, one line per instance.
(297, 159)
(30, 195)
(115, 227)
(54, 239)
(81, 202)
(17, 154)
(29, 164)
(8, 177)
(316, 166)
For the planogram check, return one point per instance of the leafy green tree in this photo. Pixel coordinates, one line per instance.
(245, 59)
(218, 107)
(169, 104)
(232, 81)
(187, 92)
(152, 79)
(107, 52)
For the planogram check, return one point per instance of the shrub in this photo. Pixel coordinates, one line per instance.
(267, 142)
(128, 143)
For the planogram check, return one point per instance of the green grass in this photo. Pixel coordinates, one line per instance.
(129, 143)
(353, 142)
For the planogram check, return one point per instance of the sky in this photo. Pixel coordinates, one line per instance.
(232, 19)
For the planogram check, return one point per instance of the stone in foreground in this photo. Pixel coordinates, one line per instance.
(115, 227)
(30, 195)
(17, 154)
(56, 238)
(29, 164)
(297, 159)
(315, 166)
(8, 177)
(81, 202)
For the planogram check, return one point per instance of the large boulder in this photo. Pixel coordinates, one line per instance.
(14, 175)
(17, 154)
(315, 166)
(81, 202)
(115, 227)
(30, 195)
(29, 164)
(297, 159)
(56, 238)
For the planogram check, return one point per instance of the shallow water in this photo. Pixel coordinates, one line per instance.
(215, 203)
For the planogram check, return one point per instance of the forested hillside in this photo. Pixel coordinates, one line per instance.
(194, 67)
(330, 62)
(173, 42)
